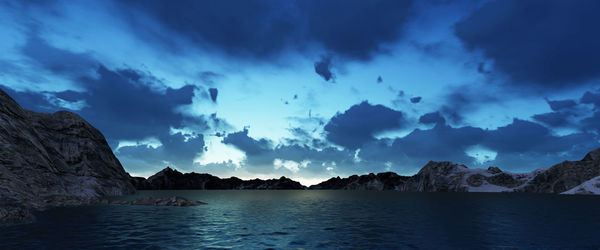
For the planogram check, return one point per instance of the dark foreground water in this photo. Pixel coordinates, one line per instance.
(322, 219)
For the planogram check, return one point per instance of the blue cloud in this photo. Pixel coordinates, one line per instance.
(242, 141)
(264, 28)
(416, 99)
(359, 123)
(544, 43)
(432, 118)
(323, 68)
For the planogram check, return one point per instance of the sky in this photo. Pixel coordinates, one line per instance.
(314, 89)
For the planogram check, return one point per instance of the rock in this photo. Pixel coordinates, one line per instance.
(381, 181)
(170, 201)
(494, 170)
(438, 177)
(15, 215)
(591, 186)
(169, 178)
(475, 180)
(45, 156)
(566, 175)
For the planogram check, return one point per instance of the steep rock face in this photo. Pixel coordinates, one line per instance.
(591, 186)
(566, 175)
(438, 177)
(50, 155)
(169, 178)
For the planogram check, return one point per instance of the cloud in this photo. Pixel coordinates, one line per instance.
(58, 61)
(323, 68)
(360, 122)
(543, 43)
(553, 119)
(591, 98)
(213, 94)
(432, 118)
(242, 141)
(416, 99)
(125, 104)
(262, 29)
(561, 104)
(174, 150)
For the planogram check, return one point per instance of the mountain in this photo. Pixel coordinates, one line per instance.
(53, 159)
(169, 178)
(450, 177)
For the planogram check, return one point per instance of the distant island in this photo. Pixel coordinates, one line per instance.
(569, 177)
(59, 159)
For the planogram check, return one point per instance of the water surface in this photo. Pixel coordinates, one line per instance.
(321, 219)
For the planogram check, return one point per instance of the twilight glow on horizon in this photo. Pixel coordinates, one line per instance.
(314, 89)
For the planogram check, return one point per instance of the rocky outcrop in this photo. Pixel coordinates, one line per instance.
(437, 177)
(566, 175)
(591, 186)
(169, 178)
(175, 201)
(44, 156)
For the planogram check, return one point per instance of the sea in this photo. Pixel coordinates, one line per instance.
(320, 219)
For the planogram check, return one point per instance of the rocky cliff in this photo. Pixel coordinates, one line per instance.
(450, 177)
(45, 156)
(169, 178)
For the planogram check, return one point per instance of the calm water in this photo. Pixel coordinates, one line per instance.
(322, 219)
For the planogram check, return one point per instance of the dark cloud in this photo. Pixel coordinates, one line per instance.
(323, 68)
(592, 123)
(243, 142)
(175, 151)
(550, 43)
(416, 99)
(561, 104)
(591, 98)
(127, 110)
(56, 60)
(553, 119)
(360, 122)
(439, 143)
(264, 28)
(213, 94)
(463, 100)
(432, 118)
(122, 103)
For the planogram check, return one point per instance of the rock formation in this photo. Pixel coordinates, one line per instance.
(169, 178)
(44, 156)
(175, 201)
(566, 175)
(450, 177)
(381, 181)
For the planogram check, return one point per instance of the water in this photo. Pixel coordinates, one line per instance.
(322, 219)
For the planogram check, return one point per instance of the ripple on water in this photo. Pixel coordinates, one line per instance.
(321, 219)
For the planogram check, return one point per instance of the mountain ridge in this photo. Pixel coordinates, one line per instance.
(441, 176)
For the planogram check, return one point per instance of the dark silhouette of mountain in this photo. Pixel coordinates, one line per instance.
(52, 159)
(169, 178)
(433, 177)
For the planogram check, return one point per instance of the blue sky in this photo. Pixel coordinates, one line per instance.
(313, 89)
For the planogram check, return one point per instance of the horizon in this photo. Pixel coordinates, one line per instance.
(309, 90)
